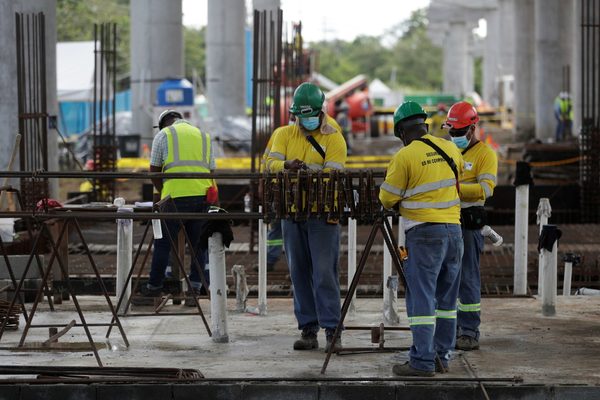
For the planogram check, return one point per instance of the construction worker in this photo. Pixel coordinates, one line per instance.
(477, 184)
(563, 112)
(313, 142)
(422, 179)
(437, 121)
(179, 147)
(274, 235)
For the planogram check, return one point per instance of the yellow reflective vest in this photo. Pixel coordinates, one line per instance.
(188, 150)
(479, 177)
(422, 181)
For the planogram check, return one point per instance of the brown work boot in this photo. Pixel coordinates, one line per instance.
(307, 341)
(406, 370)
(467, 343)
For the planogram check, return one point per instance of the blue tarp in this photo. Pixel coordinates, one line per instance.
(76, 116)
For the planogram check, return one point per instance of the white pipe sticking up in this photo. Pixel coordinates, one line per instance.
(351, 259)
(544, 211)
(567, 278)
(550, 277)
(521, 237)
(218, 288)
(124, 254)
(262, 265)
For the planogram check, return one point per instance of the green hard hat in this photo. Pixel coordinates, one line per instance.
(308, 100)
(408, 109)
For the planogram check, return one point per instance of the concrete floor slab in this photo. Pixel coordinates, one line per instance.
(516, 340)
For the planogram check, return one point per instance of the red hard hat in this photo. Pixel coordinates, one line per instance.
(461, 114)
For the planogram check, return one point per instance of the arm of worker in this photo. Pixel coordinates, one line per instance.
(157, 158)
(335, 156)
(392, 189)
(486, 180)
(276, 158)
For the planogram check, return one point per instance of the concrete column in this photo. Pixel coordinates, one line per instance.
(490, 57)
(524, 110)
(553, 33)
(470, 65)
(576, 89)
(270, 5)
(225, 57)
(455, 58)
(8, 82)
(47, 7)
(156, 54)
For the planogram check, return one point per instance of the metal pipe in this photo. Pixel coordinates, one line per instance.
(521, 237)
(351, 260)
(152, 175)
(218, 288)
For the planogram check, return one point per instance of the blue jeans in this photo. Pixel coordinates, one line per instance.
(274, 242)
(469, 294)
(432, 275)
(312, 251)
(162, 247)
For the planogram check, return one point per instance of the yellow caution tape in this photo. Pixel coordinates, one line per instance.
(542, 164)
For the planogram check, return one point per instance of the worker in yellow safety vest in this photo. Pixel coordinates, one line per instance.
(313, 142)
(477, 185)
(179, 147)
(422, 178)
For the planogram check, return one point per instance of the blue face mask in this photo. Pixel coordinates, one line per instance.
(310, 123)
(461, 142)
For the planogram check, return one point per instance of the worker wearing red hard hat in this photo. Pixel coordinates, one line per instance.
(476, 185)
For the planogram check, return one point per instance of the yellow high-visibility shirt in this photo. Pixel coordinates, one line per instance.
(263, 161)
(290, 143)
(423, 182)
(479, 178)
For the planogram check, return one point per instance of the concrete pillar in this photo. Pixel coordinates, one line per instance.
(270, 5)
(576, 88)
(553, 41)
(490, 57)
(225, 57)
(47, 7)
(156, 54)
(524, 110)
(470, 66)
(8, 82)
(455, 58)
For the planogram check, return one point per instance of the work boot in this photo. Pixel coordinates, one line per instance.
(189, 297)
(406, 370)
(467, 343)
(146, 296)
(307, 341)
(338, 344)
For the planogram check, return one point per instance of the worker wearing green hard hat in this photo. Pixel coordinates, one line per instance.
(422, 179)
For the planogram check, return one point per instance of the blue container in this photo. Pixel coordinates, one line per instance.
(175, 92)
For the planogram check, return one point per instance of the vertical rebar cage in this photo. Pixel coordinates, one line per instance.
(590, 102)
(103, 114)
(33, 115)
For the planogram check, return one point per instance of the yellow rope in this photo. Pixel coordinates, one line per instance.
(542, 164)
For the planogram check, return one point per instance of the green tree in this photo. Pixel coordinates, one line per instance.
(194, 52)
(75, 21)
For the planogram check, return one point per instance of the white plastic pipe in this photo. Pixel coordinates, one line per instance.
(544, 211)
(262, 265)
(520, 243)
(388, 304)
(567, 278)
(351, 259)
(218, 288)
(550, 277)
(124, 257)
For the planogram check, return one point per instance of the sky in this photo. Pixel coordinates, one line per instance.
(328, 19)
